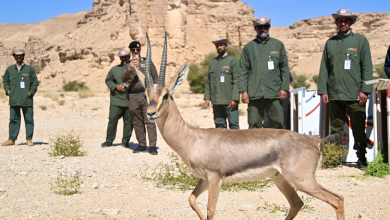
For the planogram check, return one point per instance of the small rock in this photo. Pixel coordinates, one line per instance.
(102, 186)
(359, 183)
(113, 211)
(360, 215)
(97, 210)
(22, 200)
(95, 113)
(95, 186)
(23, 173)
(2, 190)
(60, 157)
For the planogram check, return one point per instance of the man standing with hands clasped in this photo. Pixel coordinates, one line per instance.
(346, 64)
(221, 87)
(263, 78)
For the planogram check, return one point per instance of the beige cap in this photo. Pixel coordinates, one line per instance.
(345, 13)
(18, 51)
(221, 40)
(262, 21)
(123, 53)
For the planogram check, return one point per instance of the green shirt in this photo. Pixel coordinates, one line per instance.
(112, 80)
(336, 81)
(254, 75)
(221, 85)
(13, 79)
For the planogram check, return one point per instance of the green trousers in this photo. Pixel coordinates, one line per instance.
(14, 122)
(357, 114)
(256, 113)
(221, 112)
(117, 112)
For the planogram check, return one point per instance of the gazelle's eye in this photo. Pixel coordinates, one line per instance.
(165, 96)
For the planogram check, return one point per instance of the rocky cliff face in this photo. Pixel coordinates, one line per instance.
(86, 51)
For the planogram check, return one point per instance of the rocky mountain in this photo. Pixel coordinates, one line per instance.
(82, 47)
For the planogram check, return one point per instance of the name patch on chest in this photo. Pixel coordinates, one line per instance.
(274, 52)
(226, 67)
(352, 49)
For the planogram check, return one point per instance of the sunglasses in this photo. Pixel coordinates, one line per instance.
(135, 49)
(259, 27)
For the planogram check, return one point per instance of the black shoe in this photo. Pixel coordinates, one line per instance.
(153, 150)
(124, 144)
(140, 148)
(107, 144)
(362, 163)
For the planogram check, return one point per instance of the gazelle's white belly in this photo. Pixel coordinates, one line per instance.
(251, 175)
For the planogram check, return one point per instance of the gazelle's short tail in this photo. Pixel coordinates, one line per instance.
(332, 138)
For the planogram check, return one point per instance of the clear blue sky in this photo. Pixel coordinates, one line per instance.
(282, 12)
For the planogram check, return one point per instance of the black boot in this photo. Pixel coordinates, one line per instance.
(362, 162)
(140, 148)
(153, 150)
(107, 144)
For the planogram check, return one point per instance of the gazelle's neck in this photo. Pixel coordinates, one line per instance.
(174, 129)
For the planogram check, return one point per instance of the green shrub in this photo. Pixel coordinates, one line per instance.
(67, 185)
(197, 75)
(176, 175)
(67, 146)
(299, 81)
(63, 59)
(378, 167)
(331, 154)
(380, 71)
(74, 86)
(43, 107)
(315, 79)
(1, 82)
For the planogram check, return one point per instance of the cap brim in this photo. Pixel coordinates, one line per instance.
(220, 42)
(255, 23)
(353, 17)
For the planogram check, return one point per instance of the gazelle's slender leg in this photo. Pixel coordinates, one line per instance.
(199, 189)
(311, 187)
(215, 182)
(290, 194)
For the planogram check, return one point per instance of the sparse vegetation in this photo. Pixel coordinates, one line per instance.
(67, 184)
(315, 79)
(273, 208)
(67, 146)
(3, 96)
(306, 201)
(52, 95)
(74, 86)
(176, 175)
(43, 107)
(37, 68)
(299, 81)
(331, 154)
(377, 168)
(197, 75)
(380, 71)
(86, 93)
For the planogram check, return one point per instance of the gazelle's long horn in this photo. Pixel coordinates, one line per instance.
(163, 67)
(148, 79)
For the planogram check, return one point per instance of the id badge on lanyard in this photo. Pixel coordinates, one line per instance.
(222, 78)
(347, 63)
(22, 84)
(270, 64)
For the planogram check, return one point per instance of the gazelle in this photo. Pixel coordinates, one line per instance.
(219, 156)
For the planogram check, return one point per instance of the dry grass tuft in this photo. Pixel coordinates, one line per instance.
(52, 95)
(86, 93)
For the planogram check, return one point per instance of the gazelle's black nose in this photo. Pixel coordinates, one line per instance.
(150, 113)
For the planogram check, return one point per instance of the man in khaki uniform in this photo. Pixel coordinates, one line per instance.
(221, 87)
(137, 102)
(20, 84)
(346, 64)
(263, 78)
(118, 103)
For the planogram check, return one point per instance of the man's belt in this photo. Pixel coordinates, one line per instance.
(133, 91)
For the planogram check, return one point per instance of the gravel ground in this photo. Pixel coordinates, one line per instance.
(25, 174)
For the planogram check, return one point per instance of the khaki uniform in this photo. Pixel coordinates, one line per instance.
(138, 105)
(343, 85)
(262, 83)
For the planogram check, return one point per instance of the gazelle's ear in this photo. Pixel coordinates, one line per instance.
(141, 76)
(179, 77)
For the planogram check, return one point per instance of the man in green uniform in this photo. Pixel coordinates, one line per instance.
(137, 103)
(346, 64)
(221, 87)
(20, 84)
(118, 103)
(263, 78)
